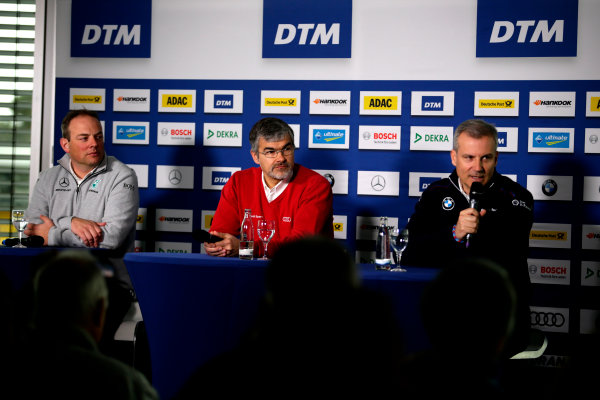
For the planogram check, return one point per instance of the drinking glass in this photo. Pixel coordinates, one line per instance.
(266, 230)
(398, 241)
(20, 223)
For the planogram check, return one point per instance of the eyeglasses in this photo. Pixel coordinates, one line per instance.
(286, 151)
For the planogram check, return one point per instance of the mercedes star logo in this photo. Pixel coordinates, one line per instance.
(175, 177)
(63, 182)
(378, 183)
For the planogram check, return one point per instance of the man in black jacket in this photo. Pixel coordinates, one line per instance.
(445, 227)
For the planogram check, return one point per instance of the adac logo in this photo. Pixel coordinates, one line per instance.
(177, 100)
(595, 104)
(549, 187)
(381, 103)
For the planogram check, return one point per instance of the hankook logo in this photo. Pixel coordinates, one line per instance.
(378, 183)
(175, 177)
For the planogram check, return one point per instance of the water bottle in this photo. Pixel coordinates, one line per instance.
(246, 251)
(383, 258)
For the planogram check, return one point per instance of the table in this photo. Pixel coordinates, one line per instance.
(195, 307)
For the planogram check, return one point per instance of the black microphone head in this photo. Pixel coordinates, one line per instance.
(10, 242)
(33, 241)
(476, 189)
(203, 236)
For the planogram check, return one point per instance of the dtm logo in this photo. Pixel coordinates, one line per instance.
(533, 28)
(224, 101)
(220, 177)
(502, 139)
(432, 103)
(306, 29)
(111, 28)
(425, 181)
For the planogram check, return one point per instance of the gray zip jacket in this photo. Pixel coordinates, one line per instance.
(108, 194)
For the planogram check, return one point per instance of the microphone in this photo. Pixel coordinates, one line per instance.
(203, 236)
(475, 200)
(31, 241)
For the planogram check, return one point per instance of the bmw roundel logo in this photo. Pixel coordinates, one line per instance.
(448, 203)
(330, 178)
(549, 187)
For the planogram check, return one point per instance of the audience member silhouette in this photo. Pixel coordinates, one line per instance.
(61, 358)
(468, 312)
(319, 332)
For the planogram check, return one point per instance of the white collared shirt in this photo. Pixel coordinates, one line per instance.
(462, 191)
(78, 179)
(275, 191)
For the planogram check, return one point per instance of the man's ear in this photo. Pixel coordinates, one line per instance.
(64, 143)
(255, 157)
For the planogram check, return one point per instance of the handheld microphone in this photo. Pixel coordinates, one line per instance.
(203, 236)
(30, 241)
(475, 200)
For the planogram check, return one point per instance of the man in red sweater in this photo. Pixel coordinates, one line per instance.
(298, 199)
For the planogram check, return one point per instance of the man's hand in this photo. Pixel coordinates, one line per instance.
(40, 229)
(88, 231)
(468, 222)
(228, 247)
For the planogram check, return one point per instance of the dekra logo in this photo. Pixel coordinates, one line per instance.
(431, 138)
(223, 134)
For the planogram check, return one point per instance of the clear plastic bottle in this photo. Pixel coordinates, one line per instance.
(246, 251)
(383, 257)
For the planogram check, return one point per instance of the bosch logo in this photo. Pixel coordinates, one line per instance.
(549, 187)
(593, 139)
(366, 135)
(533, 269)
(448, 203)
(63, 182)
(547, 319)
(378, 183)
(164, 131)
(175, 177)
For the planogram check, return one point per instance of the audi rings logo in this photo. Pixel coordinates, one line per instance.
(63, 182)
(378, 183)
(175, 177)
(548, 319)
(549, 187)
(330, 178)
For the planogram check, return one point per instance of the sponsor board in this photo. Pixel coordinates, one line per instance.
(174, 220)
(551, 140)
(174, 177)
(378, 183)
(377, 137)
(590, 273)
(552, 361)
(280, 102)
(172, 247)
(592, 142)
(296, 130)
(140, 222)
(111, 28)
(329, 103)
(592, 104)
(224, 101)
(419, 181)
(380, 103)
(141, 171)
(432, 103)
(587, 321)
(205, 223)
(549, 319)
(88, 98)
(139, 246)
(591, 188)
(329, 136)
(307, 29)
(340, 227)
(225, 135)
(131, 132)
(214, 178)
(131, 100)
(512, 177)
(176, 133)
(547, 187)
(431, 138)
(590, 237)
(508, 139)
(177, 101)
(550, 235)
(551, 104)
(503, 104)
(338, 179)
(552, 272)
(533, 28)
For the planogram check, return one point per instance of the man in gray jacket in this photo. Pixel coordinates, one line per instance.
(89, 199)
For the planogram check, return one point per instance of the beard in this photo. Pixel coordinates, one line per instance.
(280, 174)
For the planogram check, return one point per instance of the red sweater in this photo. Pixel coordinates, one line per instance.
(304, 208)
